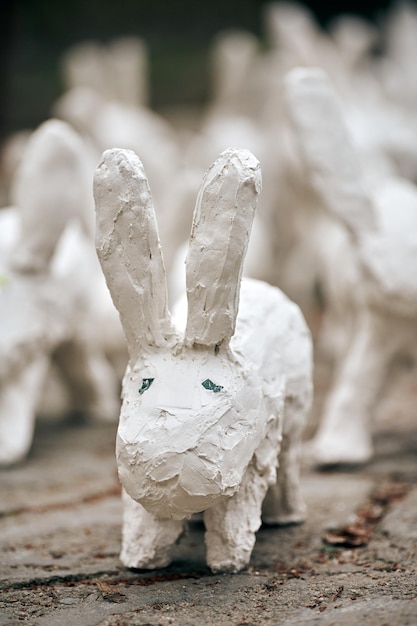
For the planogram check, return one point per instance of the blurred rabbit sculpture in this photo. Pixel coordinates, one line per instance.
(382, 225)
(42, 314)
(206, 410)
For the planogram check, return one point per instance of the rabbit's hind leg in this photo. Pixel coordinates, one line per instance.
(146, 541)
(284, 503)
(232, 524)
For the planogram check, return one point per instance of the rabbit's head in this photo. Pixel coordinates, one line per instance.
(188, 420)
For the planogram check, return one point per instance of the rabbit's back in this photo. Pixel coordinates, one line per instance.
(272, 335)
(389, 252)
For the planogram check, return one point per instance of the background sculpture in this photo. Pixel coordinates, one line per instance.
(381, 222)
(45, 303)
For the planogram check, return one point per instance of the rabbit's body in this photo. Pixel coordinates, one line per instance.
(183, 447)
(29, 305)
(212, 397)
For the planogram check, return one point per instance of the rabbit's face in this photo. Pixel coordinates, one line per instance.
(184, 429)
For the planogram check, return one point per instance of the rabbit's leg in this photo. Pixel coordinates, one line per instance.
(284, 503)
(18, 401)
(344, 434)
(91, 380)
(146, 541)
(232, 524)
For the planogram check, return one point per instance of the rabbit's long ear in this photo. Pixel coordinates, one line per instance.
(49, 189)
(221, 228)
(327, 148)
(129, 250)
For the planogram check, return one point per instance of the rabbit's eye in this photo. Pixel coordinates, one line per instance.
(210, 386)
(146, 383)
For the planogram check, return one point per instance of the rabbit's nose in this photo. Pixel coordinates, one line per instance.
(173, 411)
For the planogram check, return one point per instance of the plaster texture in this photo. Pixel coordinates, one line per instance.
(214, 396)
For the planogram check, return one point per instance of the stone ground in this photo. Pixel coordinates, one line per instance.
(353, 562)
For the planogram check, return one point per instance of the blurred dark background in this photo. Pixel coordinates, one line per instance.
(35, 33)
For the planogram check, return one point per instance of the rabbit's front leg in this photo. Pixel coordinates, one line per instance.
(18, 402)
(146, 541)
(232, 524)
(344, 433)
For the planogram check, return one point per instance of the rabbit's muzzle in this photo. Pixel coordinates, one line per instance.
(174, 486)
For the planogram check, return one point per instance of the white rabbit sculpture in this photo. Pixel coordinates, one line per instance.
(43, 316)
(381, 222)
(210, 400)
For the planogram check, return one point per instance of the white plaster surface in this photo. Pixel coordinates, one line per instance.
(211, 395)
